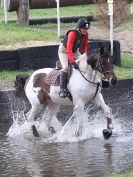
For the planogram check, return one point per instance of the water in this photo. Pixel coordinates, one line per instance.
(63, 155)
(90, 156)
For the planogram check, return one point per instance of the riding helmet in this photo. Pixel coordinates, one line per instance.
(83, 23)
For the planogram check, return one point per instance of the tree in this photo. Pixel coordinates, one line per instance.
(23, 12)
(120, 12)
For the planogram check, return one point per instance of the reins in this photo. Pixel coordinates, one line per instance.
(97, 84)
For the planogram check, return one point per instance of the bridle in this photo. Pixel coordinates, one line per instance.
(106, 73)
(98, 67)
(97, 84)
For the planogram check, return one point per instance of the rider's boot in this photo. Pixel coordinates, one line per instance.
(63, 85)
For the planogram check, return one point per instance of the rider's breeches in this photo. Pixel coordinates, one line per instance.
(63, 56)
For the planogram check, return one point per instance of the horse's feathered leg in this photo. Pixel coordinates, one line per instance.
(80, 114)
(51, 111)
(33, 112)
(31, 115)
(100, 102)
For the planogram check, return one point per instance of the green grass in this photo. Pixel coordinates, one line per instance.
(51, 12)
(123, 72)
(126, 69)
(127, 59)
(11, 75)
(64, 11)
(13, 33)
(130, 174)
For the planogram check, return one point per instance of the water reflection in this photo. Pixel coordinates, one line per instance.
(90, 158)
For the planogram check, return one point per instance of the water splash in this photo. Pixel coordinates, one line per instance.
(93, 124)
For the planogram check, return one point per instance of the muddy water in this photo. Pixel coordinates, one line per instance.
(22, 155)
(91, 157)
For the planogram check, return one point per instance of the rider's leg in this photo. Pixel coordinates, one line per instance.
(63, 57)
(63, 85)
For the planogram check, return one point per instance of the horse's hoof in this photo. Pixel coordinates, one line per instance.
(34, 130)
(106, 134)
(51, 130)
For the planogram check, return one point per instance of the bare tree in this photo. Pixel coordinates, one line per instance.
(120, 12)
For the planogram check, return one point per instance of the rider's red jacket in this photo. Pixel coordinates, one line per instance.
(72, 41)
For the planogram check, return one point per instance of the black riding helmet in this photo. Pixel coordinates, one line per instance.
(83, 23)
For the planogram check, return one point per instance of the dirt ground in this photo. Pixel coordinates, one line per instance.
(122, 34)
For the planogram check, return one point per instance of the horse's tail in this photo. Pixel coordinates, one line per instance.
(20, 81)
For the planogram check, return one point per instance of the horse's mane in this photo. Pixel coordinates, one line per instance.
(93, 52)
(82, 57)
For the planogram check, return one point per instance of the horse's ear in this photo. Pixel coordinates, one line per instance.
(91, 60)
(102, 50)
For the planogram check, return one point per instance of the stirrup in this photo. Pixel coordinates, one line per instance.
(63, 93)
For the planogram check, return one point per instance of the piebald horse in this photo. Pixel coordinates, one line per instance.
(84, 86)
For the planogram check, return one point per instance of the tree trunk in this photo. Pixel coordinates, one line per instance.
(23, 12)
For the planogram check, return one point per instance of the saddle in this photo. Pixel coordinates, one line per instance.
(53, 78)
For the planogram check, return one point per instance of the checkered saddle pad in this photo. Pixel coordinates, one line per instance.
(53, 78)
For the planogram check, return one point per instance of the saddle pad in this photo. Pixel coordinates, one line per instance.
(53, 78)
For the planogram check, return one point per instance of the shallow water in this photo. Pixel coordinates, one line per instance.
(89, 156)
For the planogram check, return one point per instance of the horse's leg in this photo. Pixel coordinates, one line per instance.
(51, 111)
(100, 102)
(31, 115)
(33, 112)
(80, 114)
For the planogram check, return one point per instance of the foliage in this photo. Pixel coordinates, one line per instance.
(120, 12)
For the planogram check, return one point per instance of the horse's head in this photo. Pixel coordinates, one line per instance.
(103, 62)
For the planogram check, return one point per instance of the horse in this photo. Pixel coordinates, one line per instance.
(84, 86)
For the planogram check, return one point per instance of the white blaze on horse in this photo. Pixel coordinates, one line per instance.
(84, 86)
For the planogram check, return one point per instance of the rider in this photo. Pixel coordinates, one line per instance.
(69, 50)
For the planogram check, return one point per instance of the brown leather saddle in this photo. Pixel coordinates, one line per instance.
(53, 78)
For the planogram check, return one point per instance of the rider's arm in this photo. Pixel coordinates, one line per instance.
(85, 44)
(70, 42)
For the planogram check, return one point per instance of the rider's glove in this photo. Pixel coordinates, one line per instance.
(75, 65)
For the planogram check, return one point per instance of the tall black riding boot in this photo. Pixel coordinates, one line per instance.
(63, 85)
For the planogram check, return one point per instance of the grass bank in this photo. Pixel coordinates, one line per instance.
(52, 12)
(130, 174)
(126, 69)
(13, 33)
